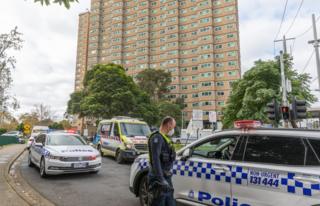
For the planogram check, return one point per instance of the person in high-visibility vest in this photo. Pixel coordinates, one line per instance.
(161, 157)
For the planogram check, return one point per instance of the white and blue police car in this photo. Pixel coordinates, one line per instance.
(243, 167)
(59, 153)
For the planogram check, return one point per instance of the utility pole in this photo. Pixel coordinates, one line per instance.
(283, 81)
(315, 43)
(284, 42)
(284, 89)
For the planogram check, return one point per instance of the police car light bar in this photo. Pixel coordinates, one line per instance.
(246, 124)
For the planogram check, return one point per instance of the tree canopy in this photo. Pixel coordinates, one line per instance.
(260, 85)
(109, 91)
(155, 82)
(8, 42)
(66, 3)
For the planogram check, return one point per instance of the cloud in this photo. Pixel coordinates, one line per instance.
(259, 23)
(45, 67)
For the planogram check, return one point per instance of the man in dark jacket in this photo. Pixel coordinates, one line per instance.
(161, 156)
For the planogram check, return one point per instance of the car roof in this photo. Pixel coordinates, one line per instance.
(124, 121)
(296, 132)
(61, 134)
(280, 132)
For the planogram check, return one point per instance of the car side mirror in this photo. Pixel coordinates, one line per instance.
(186, 154)
(38, 144)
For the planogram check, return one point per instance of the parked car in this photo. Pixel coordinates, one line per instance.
(59, 153)
(244, 166)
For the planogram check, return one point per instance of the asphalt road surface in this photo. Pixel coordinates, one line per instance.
(109, 187)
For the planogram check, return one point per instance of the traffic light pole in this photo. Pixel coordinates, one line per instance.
(283, 87)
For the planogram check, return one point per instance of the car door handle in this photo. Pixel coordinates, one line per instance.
(223, 168)
(307, 179)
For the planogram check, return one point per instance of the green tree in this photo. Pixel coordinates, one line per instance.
(2, 131)
(20, 127)
(74, 103)
(108, 92)
(167, 108)
(57, 126)
(260, 85)
(155, 82)
(65, 124)
(66, 3)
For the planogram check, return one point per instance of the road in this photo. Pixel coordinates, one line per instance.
(109, 187)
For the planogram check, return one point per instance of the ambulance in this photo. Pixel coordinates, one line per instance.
(123, 138)
(245, 166)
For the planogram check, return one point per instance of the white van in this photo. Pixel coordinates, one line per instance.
(35, 131)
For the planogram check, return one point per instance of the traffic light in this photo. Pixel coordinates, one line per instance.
(273, 110)
(299, 109)
(285, 112)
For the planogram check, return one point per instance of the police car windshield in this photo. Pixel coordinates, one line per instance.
(132, 130)
(60, 140)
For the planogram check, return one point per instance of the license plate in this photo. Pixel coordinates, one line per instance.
(80, 165)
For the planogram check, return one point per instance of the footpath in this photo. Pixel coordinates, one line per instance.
(8, 197)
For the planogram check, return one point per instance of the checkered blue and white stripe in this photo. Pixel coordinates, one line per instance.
(237, 175)
(297, 187)
(143, 164)
(208, 171)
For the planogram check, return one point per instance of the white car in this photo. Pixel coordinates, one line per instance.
(243, 167)
(60, 153)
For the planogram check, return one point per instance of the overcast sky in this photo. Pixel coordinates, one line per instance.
(46, 64)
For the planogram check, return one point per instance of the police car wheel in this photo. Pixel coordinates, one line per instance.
(42, 168)
(30, 163)
(143, 191)
(119, 157)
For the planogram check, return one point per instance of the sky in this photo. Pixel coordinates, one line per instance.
(45, 68)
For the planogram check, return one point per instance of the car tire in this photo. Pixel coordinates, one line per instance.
(42, 169)
(30, 163)
(143, 191)
(119, 158)
(100, 150)
(95, 172)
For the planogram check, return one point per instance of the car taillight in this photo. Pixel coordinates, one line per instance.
(247, 124)
(93, 157)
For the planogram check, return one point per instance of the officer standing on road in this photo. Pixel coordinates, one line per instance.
(161, 156)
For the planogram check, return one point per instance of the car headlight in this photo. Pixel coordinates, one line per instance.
(128, 145)
(54, 157)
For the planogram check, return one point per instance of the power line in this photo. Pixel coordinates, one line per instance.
(295, 17)
(308, 62)
(306, 31)
(282, 19)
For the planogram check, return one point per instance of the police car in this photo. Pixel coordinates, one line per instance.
(59, 153)
(243, 167)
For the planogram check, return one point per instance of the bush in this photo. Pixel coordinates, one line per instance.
(2, 131)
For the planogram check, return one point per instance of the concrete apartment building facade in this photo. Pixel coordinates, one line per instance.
(196, 40)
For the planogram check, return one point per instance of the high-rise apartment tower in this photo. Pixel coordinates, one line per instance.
(196, 40)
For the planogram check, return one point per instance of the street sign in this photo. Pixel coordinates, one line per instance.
(27, 128)
(212, 116)
(197, 115)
